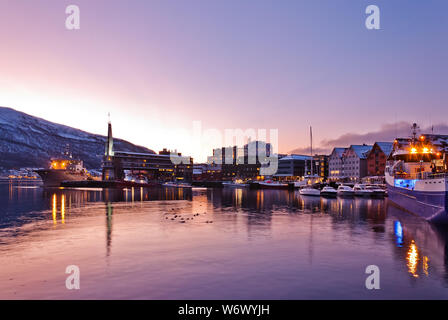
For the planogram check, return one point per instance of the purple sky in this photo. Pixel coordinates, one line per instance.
(157, 66)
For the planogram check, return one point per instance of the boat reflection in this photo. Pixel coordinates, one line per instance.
(423, 246)
(23, 201)
(419, 248)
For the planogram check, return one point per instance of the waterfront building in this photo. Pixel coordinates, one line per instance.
(207, 172)
(293, 167)
(354, 162)
(123, 165)
(335, 160)
(241, 162)
(377, 157)
(321, 164)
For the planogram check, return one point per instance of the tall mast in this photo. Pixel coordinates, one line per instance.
(311, 149)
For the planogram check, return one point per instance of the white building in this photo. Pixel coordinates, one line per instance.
(335, 168)
(354, 162)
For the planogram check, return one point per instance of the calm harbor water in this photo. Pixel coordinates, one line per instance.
(231, 244)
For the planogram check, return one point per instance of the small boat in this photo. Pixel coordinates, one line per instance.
(231, 184)
(362, 191)
(329, 192)
(269, 184)
(345, 191)
(308, 180)
(176, 185)
(299, 184)
(309, 191)
(377, 192)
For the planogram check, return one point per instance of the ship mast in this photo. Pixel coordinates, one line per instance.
(311, 149)
(414, 132)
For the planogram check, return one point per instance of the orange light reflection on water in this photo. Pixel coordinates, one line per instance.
(63, 209)
(412, 258)
(54, 208)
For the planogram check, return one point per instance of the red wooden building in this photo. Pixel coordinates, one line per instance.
(376, 158)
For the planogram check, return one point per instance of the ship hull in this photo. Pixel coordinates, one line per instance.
(327, 194)
(430, 205)
(54, 178)
(273, 186)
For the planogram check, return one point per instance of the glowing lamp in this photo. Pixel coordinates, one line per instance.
(422, 138)
(425, 150)
(413, 150)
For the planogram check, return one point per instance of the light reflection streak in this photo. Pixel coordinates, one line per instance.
(426, 265)
(63, 209)
(412, 258)
(54, 208)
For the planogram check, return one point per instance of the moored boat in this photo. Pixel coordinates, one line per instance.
(309, 191)
(234, 184)
(269, 184)
(416, 176)
(377, 192)
(64, 169)
(361, 190)
(328, 192)
(345, 191)
(176, 185)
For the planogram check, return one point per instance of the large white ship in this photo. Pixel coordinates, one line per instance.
(416, 175)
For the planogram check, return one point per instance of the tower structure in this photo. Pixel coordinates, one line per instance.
(108, 159)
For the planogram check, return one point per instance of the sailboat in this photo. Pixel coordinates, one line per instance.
(308, 190)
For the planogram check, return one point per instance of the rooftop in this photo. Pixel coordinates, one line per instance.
(361, 150)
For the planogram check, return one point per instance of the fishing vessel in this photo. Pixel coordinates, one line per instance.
(416, 175)
(63, 169)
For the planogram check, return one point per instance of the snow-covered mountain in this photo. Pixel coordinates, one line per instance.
(27, 141)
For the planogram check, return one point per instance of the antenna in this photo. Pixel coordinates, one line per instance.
(414, 131)
(395, 126)
(108, 116)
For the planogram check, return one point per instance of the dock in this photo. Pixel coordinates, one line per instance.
(107, 184)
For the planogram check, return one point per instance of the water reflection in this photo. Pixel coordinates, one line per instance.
(109, 211)
(412, 258)
(28, 201)
(422, 245)
(418, 249)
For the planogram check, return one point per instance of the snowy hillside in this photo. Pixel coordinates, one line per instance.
(27, 141)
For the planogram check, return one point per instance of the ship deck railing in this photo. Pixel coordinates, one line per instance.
(421, 176)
